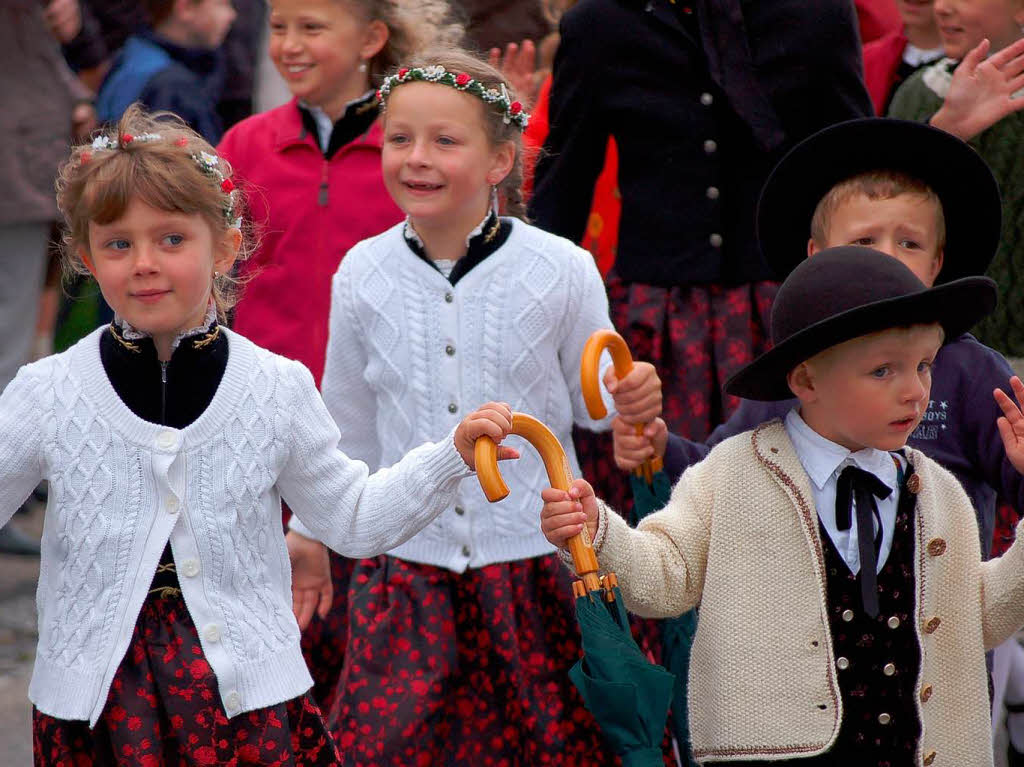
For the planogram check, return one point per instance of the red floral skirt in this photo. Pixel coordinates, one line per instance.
(164, 710)
(324, 640)
(467, 669)
(696, 336)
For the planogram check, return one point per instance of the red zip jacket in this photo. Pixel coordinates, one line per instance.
(308, 212)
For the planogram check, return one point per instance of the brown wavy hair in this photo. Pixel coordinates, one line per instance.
(498, 131)
(99, 185)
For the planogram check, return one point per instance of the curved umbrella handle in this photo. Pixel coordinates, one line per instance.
(559, 475)
(590, 382)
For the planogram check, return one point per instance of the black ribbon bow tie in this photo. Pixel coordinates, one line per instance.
(855, 483)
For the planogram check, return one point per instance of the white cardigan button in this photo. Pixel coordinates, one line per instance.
(884, 718)
(212, 633)
(172, 505)
(166, 440)
(842, 663)
(190, 568)
(233, 701)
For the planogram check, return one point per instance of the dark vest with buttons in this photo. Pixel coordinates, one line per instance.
(877, 659)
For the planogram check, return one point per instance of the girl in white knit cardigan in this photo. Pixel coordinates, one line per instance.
(460, 638)
(165, 627)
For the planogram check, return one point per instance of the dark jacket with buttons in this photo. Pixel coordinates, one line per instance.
(690, 166)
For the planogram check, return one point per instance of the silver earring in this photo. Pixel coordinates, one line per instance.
(362, 66)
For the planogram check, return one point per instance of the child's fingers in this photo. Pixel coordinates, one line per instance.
(1011, 55)
(302, 605)
(326, 598)
(1010, 410)
(1006, 432)
(974, 57)
(507, 453)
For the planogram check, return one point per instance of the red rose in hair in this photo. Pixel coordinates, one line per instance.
(227, 186)
(403, 72)
(85, 157)
(515, 107)
(462, 79)
(182, 141)
(127, 138)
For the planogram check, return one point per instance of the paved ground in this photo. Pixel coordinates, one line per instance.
(17, 646)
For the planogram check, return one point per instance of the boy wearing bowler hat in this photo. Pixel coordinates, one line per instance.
(926, 198)
(845, 606)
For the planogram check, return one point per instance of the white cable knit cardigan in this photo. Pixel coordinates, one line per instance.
(121, 487)
(410, 355)
(740, 538)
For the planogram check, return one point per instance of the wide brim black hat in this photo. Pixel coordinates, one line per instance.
(956, 173)
(846, 292)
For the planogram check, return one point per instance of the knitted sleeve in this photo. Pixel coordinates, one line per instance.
(586, 311)
(661, 564)
(349, 398)
(356, 513)
(20, 441)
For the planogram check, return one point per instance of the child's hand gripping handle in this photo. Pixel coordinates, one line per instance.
(559, 475)
(590, 380)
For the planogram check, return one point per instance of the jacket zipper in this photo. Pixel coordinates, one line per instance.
(163, 393)
(322, 196)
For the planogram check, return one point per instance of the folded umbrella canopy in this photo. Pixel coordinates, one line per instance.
(651, 491)
(627, 694)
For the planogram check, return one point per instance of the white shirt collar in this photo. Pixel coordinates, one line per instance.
(821, 457)
(324, 123)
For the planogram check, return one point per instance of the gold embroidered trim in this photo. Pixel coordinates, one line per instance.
(166, 591)
(208, 339)
(167, 567)
(122, 340)
(493, 231)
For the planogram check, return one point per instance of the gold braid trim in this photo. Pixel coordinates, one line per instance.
(208, 339)
(493, 231)
(132, 347)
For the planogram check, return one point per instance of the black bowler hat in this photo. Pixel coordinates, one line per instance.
(959, 177)
(843, 293)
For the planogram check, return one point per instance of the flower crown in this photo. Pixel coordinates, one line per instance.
(511, 111)
(208, 163)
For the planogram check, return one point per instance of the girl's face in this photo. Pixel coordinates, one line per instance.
(965, 23)
(155, 268)
(918, 14)
(318, 45)
(438, 163)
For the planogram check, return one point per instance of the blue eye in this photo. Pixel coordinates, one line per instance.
(118, 245)
(881, 372)
(924, 367)
(173, 239)
(446, 141)
(397, 138)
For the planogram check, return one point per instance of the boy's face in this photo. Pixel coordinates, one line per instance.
(871, 391)
(965, 23)
(209, 21)
(903, 227)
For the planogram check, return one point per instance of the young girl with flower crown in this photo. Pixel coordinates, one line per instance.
(165, 627)
(312, 170)
(460, 639)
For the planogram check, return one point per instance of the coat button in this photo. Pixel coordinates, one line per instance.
(842, 663)
(889, 669)
(929, 758)
(926, 693)
(707, 99)
(932, 624)
(166, 440)
(453, 408)
(449, 350)
(715, 240)
(884, 718)
(914, 483)
(212, 633)
(893, 622)
(448, 297)
(710, 146)
(936, 547)
(712, 192)
(465, 551)
(190, 568)
(847, 615)
(172, 505)
(459, 510)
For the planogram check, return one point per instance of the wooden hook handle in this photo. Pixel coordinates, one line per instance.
(559, 475)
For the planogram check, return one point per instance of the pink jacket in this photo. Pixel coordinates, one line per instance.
(308, 211)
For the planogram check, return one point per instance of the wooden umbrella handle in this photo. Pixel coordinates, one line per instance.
(559, 475)
(590, 381)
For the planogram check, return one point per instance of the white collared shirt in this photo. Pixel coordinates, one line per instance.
(824, 461)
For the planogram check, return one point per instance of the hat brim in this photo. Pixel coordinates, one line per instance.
(957, 306)
(962, 181)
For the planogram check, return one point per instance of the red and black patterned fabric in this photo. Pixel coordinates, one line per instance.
(466, 668)
(164, 710)
(696, 336)
(324, 639)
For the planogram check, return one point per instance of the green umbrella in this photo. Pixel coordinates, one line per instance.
(676, 633)
(651, 491)
(627, 694)
(624, 691)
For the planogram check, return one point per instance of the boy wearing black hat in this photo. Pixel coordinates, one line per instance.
(845, 607)
(875, 182)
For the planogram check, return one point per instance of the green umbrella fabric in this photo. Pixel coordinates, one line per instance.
(676, 633)
(627, 694)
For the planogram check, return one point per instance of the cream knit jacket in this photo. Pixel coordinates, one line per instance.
(740, 538)
(121, 487)
(410, 355)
